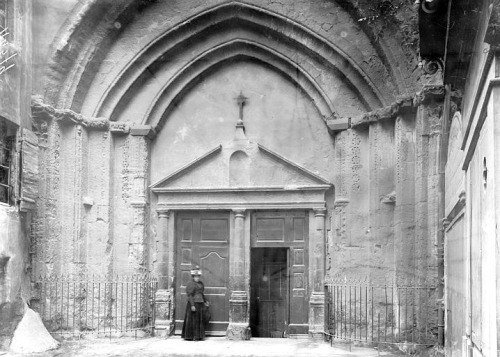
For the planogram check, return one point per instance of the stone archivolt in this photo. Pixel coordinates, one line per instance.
(223, 34)
(207, 40)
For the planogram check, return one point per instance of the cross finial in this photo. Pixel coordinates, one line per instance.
(241, 100)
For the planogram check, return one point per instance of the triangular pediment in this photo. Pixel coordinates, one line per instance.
(246, 167)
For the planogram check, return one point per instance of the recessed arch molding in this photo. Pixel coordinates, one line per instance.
(272, 37)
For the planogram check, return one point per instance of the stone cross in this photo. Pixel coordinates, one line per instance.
(241, 100)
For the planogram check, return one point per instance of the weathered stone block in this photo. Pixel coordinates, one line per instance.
(164, 324)
(143, 130)
(336, 125)
(237, 331)
(103, 213)
(317, 315)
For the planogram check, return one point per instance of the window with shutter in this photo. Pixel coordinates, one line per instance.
(7, 139)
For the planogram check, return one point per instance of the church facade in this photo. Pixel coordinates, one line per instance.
(280, 146)
(223, 134)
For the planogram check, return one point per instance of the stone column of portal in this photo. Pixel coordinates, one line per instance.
(427, 269)
(317, 266)
(164, 322)
(404, 209)
(137, 245)
(238, 328)
(138, 175)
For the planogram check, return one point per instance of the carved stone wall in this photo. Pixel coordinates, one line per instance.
(88, 220)
(387, 194)
(143, 95)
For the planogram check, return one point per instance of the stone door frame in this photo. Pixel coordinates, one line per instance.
(239, 254)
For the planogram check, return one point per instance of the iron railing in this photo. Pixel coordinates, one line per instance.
(384, 313)
(106, 307)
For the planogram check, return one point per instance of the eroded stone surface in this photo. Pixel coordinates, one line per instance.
(135, 91)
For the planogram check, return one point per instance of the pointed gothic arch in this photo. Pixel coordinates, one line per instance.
(271, 29)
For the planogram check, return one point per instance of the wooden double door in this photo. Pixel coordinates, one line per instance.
(278, 269)
(278, 284)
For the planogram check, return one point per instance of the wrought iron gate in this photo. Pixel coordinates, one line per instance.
(106, 307)
(382, 313)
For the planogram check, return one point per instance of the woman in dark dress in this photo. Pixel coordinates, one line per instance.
(194, 320)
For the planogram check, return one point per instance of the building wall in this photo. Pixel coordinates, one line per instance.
(471, 245)
(15, 83)
(15, 118)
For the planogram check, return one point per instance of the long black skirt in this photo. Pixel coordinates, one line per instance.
(194, 323)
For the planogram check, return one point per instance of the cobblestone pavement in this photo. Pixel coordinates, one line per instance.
(211, 347)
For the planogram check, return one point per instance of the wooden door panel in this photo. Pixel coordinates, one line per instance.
(272, 319)
(214, 230)
(214, 262)
(202, 239)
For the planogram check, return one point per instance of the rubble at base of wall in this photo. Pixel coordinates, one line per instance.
(11, 314)
(31, 335)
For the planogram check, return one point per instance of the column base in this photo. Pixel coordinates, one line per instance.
(164, 323)
(165, 331)
(239, 328)
(317, 315)
(238, 332)
(238, 307)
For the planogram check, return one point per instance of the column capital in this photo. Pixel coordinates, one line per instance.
(341, 201)
(163, 212)
(138, 203)
(239, 212)
(319, 212)
(143, 130)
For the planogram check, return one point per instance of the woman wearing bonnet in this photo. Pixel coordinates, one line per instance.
(194, 320)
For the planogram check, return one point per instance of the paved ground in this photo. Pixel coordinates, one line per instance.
(211, 347)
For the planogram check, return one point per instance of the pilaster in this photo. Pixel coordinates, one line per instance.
(47, 225)
(97, 203)
(382, 200)
(238, 328)
(428, 267)
(404, 200)
(71, 191)
(340, 255)
(317, 267)
(138, 176)
(164, 270)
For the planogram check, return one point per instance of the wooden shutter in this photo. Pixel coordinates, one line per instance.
(29, 170)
